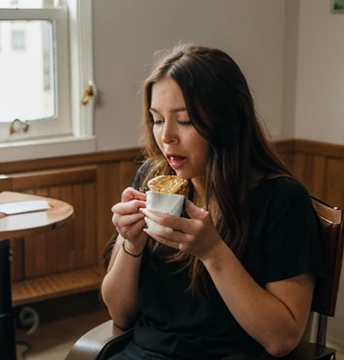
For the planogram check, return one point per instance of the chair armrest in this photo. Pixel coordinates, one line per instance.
(89, 346)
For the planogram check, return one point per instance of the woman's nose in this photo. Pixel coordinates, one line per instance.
(169, 134)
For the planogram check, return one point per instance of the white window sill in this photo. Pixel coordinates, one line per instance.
(47, 148)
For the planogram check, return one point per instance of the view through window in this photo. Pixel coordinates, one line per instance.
(27, 70)
(34, 69)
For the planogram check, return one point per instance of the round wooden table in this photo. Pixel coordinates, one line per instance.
(16, 226)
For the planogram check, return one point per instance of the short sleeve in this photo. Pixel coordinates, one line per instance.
(293, 245)
(140, 175)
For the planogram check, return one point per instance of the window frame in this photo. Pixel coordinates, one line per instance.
(76, 71)
(61, 124)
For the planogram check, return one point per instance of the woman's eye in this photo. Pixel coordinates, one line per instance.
(157, 122)
(186, 122)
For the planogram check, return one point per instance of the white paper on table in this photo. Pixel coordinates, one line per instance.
(19, 207)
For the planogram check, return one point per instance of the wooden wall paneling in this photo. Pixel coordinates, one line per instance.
(318, 187)
(127, 171)
(58, 248)
(17, 259)
(28, 191)
(40, 258)
(57, 177)
(334, 182)
(300, 166)
(52, 239)
(89, 254)
(5, 183)
(77, 243)
(303, 169)
(319, 148)
(38, 243)
(52, 250)
(286, 149)
(29, 257)
(108, 194)
(289, 160)
(69, 161)
(67, 233)
(308, 172)
(41, 192)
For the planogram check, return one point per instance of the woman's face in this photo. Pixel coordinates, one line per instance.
(184, 148)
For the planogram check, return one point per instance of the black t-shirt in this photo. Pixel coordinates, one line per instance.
(283, 241)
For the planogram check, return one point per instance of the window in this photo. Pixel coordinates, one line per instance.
(45, 64)
(18, 40)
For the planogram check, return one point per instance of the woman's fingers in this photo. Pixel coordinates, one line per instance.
(162, 240)
(125, 208)
(127, 220)
(168, 233)
(194, 211)
(134, 231)
(131, 194)
(135, 228)
(188, 226)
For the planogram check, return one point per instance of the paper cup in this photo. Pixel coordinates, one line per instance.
(167, 203)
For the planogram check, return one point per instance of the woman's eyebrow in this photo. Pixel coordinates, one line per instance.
(178, 109)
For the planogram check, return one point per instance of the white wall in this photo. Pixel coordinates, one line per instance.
(292, 18)
(320, 74)
(128, 32)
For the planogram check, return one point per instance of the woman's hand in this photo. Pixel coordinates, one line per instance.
(196, 236)
(128, 220)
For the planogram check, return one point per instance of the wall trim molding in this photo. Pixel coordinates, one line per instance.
(72, 160)
(310, 147)
(132, 154)
(319, 148)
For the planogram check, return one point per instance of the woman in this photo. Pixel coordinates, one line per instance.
(234, 277)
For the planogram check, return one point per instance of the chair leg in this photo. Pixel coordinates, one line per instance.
(322, 330)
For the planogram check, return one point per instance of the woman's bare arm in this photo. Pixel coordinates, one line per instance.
(276, 316)
(120, 286)
(121, 283)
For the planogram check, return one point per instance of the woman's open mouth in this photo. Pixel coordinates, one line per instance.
(176, 161)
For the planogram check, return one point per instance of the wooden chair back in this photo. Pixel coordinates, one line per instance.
(326, 289)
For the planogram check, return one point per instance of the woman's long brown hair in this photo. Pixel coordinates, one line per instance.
(221, 109)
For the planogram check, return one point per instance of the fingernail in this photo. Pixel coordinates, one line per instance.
(151, 215)
(168, 230)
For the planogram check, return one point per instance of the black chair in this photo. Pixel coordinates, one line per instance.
(106, 339)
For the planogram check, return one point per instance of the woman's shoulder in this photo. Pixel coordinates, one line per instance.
(286, 185)
(141, 174)
(144, 167)
(148, 167)
(283, 189)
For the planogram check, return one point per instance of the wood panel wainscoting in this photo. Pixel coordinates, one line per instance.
(319, 166)
(68, 260)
